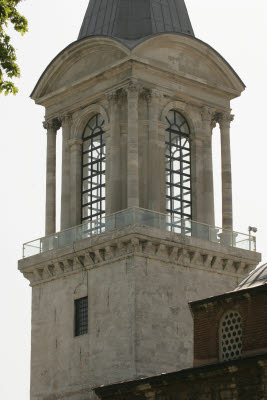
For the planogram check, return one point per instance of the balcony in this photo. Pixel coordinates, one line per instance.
(139, 216)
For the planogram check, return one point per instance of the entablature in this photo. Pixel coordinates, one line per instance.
(142, 241)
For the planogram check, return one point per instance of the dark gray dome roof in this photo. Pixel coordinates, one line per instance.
(135, 19)
(256, 278)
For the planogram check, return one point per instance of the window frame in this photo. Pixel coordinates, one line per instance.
(79, 330)
(234, 339)
(169, 185)
(96, 192)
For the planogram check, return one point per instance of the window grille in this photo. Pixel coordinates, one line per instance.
(93, 170)
(231, 336)
(178, 167)
(81, 316)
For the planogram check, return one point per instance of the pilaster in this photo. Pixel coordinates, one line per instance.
(66, 121)
(75, 180)
(156, 155)
(207, 115)
(50, 207)
(132, 145)
(113, 201)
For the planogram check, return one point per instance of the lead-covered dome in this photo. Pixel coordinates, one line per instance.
(132, 20)
(257, 277)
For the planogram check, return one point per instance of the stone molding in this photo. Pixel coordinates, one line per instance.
(81, 118)
(173, 105)
(208, 114)
(75, 144)
(225, 119)
(146, 94)
(53, 124)
(151, 95)
(138, 245)
(65, 119)
(133, 88)
(114, 96)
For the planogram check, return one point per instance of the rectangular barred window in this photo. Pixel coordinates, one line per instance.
(81, 316)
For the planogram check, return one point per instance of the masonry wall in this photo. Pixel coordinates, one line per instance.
(139, 324)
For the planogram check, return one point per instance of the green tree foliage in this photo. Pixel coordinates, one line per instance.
(9, 69)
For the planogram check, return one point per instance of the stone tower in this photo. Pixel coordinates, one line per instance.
(136, 98)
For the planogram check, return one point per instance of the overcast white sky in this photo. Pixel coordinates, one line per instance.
(237, 29)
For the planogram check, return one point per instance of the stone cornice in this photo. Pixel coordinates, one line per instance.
(141, 242)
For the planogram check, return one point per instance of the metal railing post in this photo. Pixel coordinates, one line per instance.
(135, 215)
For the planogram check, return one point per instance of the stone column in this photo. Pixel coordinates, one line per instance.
(162, 166)
(208, 190)
(107, 141)
(198, 213)
(132, 146)
(65, 180)
(224, 120)
(114, 197)
(155, 155)
(75, 181)
(50, 206)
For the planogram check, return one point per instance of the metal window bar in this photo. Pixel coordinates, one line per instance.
(81, 316)
(178, 170)
(93, 170)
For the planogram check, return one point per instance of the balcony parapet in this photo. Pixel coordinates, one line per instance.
(132, 216)
(144, 240)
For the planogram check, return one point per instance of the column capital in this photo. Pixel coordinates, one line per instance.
(225, 118)
(207, 114)
(213, 123)
(65, 118)
(53, 124)
(75, 144)
(151, 94)
(133, 87)
(113, 96)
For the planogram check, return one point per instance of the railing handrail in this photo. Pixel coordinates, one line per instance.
(173, 219)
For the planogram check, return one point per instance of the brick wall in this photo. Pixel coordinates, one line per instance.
(251, 304)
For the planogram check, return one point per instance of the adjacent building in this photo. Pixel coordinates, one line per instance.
(230, 351)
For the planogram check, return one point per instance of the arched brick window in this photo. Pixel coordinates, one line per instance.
(93, 170)
(230, 336)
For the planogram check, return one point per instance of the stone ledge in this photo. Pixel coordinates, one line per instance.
(143, 241)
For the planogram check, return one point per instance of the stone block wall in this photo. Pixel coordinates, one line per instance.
(139, 281)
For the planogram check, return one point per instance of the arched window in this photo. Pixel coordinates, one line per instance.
(93, 170)
(230, 336)
(178, 166)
